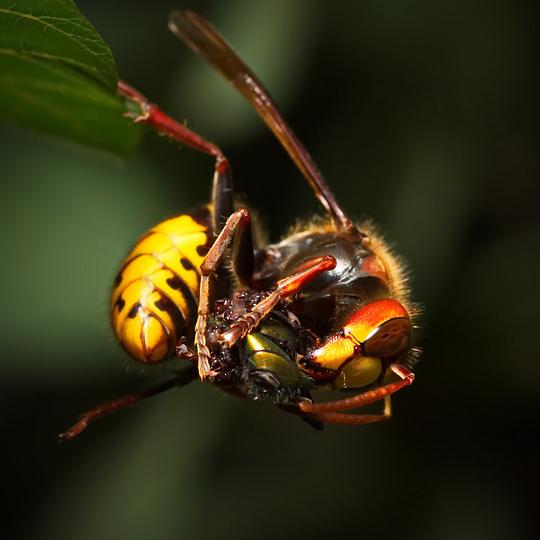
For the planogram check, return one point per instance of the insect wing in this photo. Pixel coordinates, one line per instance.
(204, 40)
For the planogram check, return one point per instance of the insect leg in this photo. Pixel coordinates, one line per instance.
(202, 38)
(286, 287)
(365, 398)
(153, 116)
(237, 221)
(181, 379)
(243, 256)
(222, 195)
(352, 419)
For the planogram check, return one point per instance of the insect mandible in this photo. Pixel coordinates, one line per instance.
(324, 308)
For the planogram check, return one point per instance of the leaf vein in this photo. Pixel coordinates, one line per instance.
(46, 24)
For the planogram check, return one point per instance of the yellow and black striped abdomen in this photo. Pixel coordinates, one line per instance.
(155, 296)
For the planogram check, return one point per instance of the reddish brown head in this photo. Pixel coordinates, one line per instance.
(374, 335)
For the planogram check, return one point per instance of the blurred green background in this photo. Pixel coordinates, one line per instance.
(423, 116)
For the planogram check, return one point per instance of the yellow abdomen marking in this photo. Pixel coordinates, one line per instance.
(154, 301)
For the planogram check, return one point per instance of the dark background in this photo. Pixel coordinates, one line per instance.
(422, 116)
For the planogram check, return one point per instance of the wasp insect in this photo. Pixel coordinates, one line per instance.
(325, 308)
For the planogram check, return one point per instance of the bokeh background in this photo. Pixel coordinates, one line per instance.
(422, 116)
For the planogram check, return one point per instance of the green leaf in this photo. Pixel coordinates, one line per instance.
(56, 30)
(44, 96)
(57, 75)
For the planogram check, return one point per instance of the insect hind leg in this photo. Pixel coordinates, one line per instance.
(152, 116)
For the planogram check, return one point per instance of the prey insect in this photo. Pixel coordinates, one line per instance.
(324, 308)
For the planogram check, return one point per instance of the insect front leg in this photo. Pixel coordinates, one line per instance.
(317, 420)
(330, 411)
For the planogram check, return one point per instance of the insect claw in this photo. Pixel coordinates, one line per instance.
(232, 335)
(209, 376)
(137, 119)
(142, 116)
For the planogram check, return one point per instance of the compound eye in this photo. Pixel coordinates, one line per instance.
(389, 339)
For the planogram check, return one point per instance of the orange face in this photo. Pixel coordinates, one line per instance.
(354, 357)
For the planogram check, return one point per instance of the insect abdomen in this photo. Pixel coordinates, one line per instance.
(155, 296)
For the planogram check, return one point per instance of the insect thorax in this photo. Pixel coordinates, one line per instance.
(262, 365)
(359, 276)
